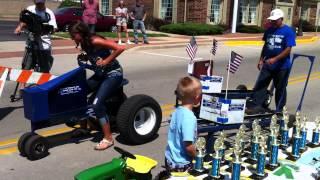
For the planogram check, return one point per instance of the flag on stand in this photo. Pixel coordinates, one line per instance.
(214, 47)
(235, 62)
(192, 48)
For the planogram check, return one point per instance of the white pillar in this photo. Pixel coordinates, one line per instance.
(185, 11)
(235, 16)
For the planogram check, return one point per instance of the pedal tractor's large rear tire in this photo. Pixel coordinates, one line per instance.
(139, 119)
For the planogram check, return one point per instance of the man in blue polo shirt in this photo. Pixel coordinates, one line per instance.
(274, 63)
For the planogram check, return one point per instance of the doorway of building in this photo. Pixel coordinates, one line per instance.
(287, 10)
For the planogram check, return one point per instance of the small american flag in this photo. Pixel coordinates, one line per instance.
(192, 48)
(214, 47)
(236, 60)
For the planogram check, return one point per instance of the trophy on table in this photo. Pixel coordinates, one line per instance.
(254, 144)
(260, 168)
(295, 153)
(284, 133)
(303, 133)
(284, 115)
(296, 122)
(273, 159)
(273, 127)
(240, 137)
(222, 137)
(315, 133)
(200, 146)
(236, 163)
(216, 159)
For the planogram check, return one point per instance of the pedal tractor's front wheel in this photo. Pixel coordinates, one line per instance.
(36, 147)
(139, 119)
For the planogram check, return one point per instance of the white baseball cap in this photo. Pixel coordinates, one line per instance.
(276, 14)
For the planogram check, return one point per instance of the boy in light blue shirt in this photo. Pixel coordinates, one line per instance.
(182, 132)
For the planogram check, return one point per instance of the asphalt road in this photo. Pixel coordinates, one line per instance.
(152, 72)
(6, 31)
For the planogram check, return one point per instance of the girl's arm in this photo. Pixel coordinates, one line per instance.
(104, 43)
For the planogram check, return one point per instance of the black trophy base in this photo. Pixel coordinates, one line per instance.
(255, 176)
(250, 161)
(311, 145)
(229, 169)
(194, 172)
(225, 162)
(303, 150)
(272, 167)
(292, 158)
(214, 178)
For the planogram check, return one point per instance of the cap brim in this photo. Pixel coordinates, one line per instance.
(273, 18)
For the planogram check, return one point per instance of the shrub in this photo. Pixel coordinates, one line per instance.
(192, 29)
(249, 29)
(154, 23)
(69, 3)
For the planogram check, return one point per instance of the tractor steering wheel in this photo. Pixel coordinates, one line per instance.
(124, 153)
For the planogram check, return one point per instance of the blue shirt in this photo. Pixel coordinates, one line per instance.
(183, 127)
(276, 41)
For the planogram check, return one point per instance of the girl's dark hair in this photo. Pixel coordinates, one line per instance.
(119, 4)
(83, 30)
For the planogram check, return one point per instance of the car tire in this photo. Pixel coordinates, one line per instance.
(36, 147)
(22, 142)
(139, 119)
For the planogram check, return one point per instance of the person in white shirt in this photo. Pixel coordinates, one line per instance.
(122, 20)
(45, 59)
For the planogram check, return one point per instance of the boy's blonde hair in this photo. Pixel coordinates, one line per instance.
(188, 88)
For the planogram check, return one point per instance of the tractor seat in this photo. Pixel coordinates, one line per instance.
(124, 82)
(141, 164)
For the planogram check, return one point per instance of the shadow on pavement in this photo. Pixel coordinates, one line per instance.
(7, 110)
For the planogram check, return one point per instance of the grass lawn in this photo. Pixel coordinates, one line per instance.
(111, 34)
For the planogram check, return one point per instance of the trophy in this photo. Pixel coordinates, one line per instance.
(222, 137)
(284, 133)
(284, 115)
(315, 133)
(261, 158)
(254, 145)
(295, 153)
(296, 123)
(200, 146)
(303, 133)
(215, 171)
(273, 128)
(236, 163)
(273, 160)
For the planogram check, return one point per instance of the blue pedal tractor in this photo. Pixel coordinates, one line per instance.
(64, 100)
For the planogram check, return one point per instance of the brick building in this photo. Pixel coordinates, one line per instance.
(250, 12)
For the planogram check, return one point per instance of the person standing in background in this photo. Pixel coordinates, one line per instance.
(90, 10)
(138, 15)
(122, 20)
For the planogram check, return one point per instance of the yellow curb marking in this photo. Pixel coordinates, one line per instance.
(8, 151)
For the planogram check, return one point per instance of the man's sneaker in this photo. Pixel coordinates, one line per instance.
(129, 42)
(146, 42)
(119, 42)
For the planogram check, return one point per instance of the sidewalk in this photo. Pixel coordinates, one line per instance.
(67, 46)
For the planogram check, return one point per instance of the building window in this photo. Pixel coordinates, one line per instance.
(105, 7)
(248, 11)
(215, 13)
(166, 10)
(305, 12)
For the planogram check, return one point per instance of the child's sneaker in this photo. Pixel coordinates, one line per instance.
(119, 42)
(129, 42)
